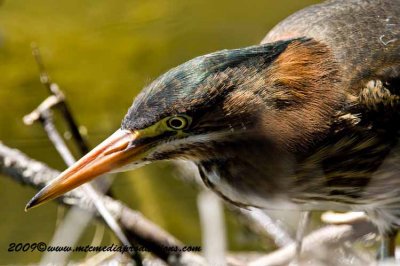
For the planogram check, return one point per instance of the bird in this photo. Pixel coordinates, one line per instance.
(306, 120)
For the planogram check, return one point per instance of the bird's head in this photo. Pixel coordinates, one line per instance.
(223, 97)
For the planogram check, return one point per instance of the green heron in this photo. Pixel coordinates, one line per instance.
(309, 119)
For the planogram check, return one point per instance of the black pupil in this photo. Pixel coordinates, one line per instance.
(176, 123)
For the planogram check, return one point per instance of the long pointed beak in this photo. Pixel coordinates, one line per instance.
(118, 150)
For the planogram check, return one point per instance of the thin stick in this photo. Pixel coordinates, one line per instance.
(63, 106)
(266, 223)
(212, 227)
(52, 132)
(301, 230)
(322, 243)
(62, 149)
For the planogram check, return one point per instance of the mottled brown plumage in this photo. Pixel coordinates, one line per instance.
(362, 34)
(364, 38)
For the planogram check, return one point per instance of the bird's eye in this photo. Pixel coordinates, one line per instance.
(178, 122)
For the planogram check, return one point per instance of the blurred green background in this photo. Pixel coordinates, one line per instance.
(102, 53)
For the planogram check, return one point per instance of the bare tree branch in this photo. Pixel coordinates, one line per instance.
(69, 231)
(59, 96)
(212, 227)
(325, 246)
(138, 229)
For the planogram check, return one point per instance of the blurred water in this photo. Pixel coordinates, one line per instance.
(102, 53)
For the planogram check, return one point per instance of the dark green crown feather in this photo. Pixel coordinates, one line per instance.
(180, 90)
